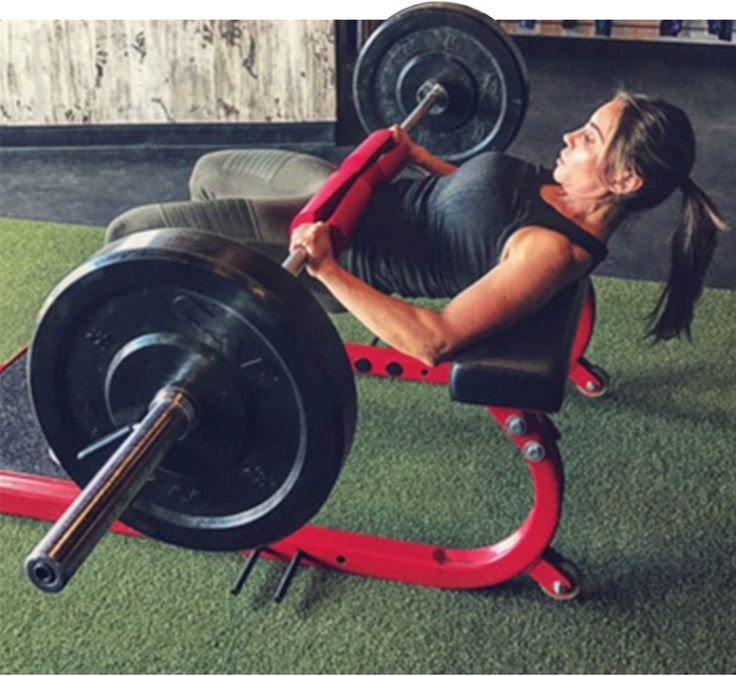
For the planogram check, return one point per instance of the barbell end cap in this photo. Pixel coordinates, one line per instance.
(295, 261)
(45, 573)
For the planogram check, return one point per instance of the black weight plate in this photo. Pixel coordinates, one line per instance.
(268, 372)
(462, 49)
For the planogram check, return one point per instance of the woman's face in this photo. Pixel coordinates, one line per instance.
(581, 163)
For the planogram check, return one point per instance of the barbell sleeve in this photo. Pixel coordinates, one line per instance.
(295, 261)
(72, 538)
(435, 94)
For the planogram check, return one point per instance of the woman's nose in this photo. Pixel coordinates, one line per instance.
(567, 138)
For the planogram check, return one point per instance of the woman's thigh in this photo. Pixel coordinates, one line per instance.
(229, 218)
(258, 173)
(265, 220)
(262, 228)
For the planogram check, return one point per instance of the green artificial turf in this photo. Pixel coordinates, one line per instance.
(648, 517)
(29, 268)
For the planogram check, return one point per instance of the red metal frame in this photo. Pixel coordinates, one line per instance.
(43, 498)
(587, 378)
(450, 568)
(12, 360)
(525, 551)
(385, 362)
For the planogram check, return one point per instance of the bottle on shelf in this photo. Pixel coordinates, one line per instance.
(603, 27)
(670, 27)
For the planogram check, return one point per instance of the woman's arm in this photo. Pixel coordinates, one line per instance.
(421, 156)
(525, 281)
(408, 328)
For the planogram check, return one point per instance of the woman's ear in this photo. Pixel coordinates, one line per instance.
(627, 184)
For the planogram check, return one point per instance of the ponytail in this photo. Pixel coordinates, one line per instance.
(655, 141)
(693, 244)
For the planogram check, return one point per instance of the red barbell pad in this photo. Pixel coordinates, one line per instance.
(324, 202)
(345, 195)
(345, 217)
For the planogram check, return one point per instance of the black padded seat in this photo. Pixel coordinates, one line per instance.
(525, 366)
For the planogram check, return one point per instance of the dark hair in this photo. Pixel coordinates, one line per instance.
(655, 140)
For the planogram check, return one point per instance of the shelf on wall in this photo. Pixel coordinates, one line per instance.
(693, 31)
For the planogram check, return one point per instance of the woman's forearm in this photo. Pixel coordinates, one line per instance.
(433, 164)
(421, 156)
(415, 331)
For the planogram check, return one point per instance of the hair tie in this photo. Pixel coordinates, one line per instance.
(687, 185)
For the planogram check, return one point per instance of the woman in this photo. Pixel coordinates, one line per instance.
(498, 236)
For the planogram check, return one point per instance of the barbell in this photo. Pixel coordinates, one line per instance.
(463, 50)
(193, 387)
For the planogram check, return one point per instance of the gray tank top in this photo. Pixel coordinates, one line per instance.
(434, 236)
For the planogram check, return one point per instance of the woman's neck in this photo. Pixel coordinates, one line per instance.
(594, 215)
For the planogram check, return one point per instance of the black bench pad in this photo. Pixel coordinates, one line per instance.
(525, 366)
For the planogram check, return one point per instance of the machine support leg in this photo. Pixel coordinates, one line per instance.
(250, 564)
(591, 380)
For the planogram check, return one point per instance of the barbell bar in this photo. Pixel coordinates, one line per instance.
(170, 418)
(71, 539)
(429, 95)
(452, 85)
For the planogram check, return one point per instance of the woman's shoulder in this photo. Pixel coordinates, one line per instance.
(533, 243)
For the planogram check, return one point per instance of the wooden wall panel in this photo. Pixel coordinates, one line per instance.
(132, 72)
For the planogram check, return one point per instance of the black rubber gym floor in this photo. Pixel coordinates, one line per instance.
(20, 436)
(92, 185)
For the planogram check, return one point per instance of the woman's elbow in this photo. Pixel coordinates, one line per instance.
(429, 359)
(437, 353)
(435, 343)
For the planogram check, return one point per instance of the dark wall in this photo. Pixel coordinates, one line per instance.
(569, 78)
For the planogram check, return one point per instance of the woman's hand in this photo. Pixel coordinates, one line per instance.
(401, 138)
(314, 238)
